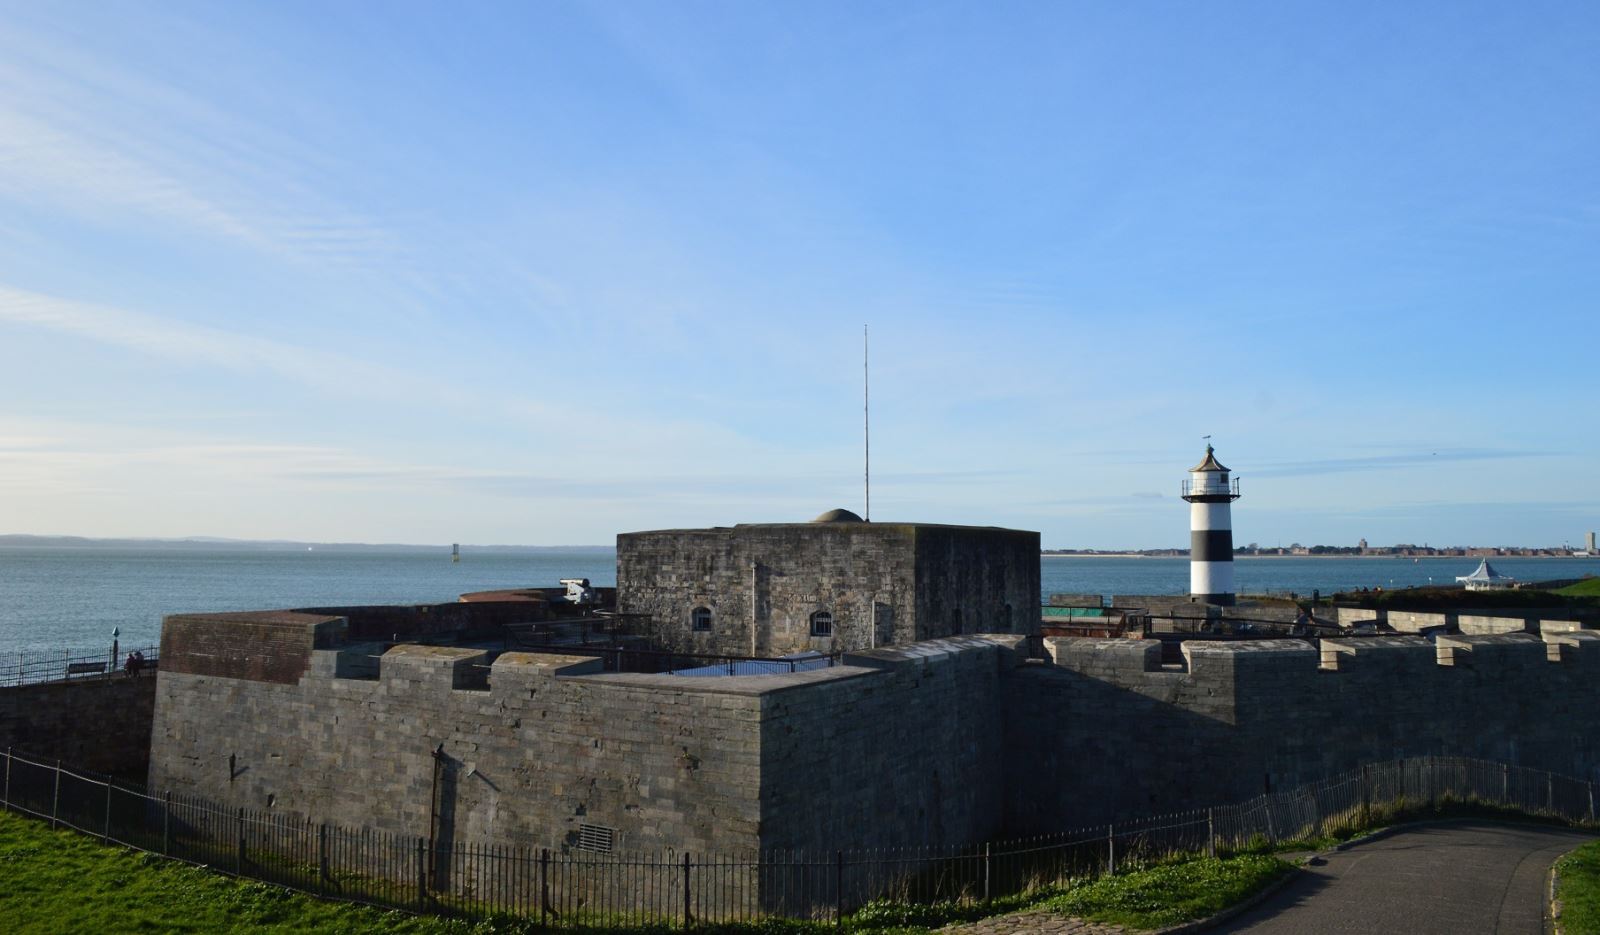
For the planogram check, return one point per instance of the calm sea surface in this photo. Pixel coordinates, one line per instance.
(53, 599)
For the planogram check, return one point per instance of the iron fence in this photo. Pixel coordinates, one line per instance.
(583, 889)
(70, 665)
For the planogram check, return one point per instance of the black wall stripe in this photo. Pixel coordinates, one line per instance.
(1211, 545)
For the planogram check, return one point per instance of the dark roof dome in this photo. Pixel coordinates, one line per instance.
(838, 516)
(1209, 464)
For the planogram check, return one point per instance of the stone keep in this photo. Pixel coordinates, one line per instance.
(836, 584)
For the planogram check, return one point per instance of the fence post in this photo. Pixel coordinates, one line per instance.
(105, 838)
(1505, 784)
(166, 823)
(838, 889)
(686, 894)
(5, 797)
(238, 857)
(324, 872)
(986, 873)
(1549, 792)
(1111, 848)
(1211, 832)
(422, 874)
(55, 797)
(544, 885)
(1591, 797)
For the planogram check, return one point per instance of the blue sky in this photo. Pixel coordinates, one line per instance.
(541, 273)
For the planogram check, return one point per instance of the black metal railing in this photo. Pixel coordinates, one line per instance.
(73, 665)
(574, 888)
(1228, 491)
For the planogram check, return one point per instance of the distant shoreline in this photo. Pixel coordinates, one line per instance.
(1399, 558)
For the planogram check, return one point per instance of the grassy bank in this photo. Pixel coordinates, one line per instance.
(1580, 890)
(64, 882)
(1589, 587)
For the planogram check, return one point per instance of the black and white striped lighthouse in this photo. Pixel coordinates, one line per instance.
(1210, 496)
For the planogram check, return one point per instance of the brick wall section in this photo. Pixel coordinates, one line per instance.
(100, 724)
(412, 622)
(884, 583)
(266, 646)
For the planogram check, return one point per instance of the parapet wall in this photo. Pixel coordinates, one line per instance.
(1411, 621)
(1127, 735)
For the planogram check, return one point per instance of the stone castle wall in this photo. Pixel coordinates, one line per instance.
(975, 581)
(1127, 736)
(949, 741)
(884, 583)
(430, 741)
(97, 724)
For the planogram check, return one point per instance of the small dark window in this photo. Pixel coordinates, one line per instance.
(822, 623)
(700, 620)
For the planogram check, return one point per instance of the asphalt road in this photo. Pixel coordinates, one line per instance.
(1449, 879)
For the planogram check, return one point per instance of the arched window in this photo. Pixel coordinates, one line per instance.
(822, 623)
(700, 619)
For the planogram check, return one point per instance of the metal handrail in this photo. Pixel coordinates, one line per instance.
(70, 665)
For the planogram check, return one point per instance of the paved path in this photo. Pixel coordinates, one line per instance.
(1455, 878)
(1450, 879)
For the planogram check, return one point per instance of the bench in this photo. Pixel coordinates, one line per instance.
(85, 668)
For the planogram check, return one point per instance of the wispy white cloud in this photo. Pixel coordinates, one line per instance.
(83, 135)
(216, 347)
(1400, 460)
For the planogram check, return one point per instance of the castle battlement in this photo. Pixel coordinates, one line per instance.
(945, 741)
(1137, 663)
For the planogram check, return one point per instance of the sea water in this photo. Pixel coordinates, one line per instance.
(72, 598)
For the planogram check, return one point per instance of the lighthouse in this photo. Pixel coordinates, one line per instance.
(1210, 495)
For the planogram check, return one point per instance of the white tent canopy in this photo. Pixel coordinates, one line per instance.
(1485, 578)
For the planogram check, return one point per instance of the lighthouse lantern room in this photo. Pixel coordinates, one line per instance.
(1210, 495)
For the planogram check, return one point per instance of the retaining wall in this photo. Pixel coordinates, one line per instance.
(98, 724)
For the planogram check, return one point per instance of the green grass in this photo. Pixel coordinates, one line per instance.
(1167, 894)
(64, 882)
(1148, 896)
(1580, 890)
(1589, 587)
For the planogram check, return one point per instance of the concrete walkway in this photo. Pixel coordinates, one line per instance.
(1449, 879)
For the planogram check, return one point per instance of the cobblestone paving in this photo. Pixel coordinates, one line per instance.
(1033, 922)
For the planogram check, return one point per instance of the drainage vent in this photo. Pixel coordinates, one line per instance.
(596, 838)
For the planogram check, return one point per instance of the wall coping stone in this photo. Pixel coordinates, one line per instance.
(743, 685)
